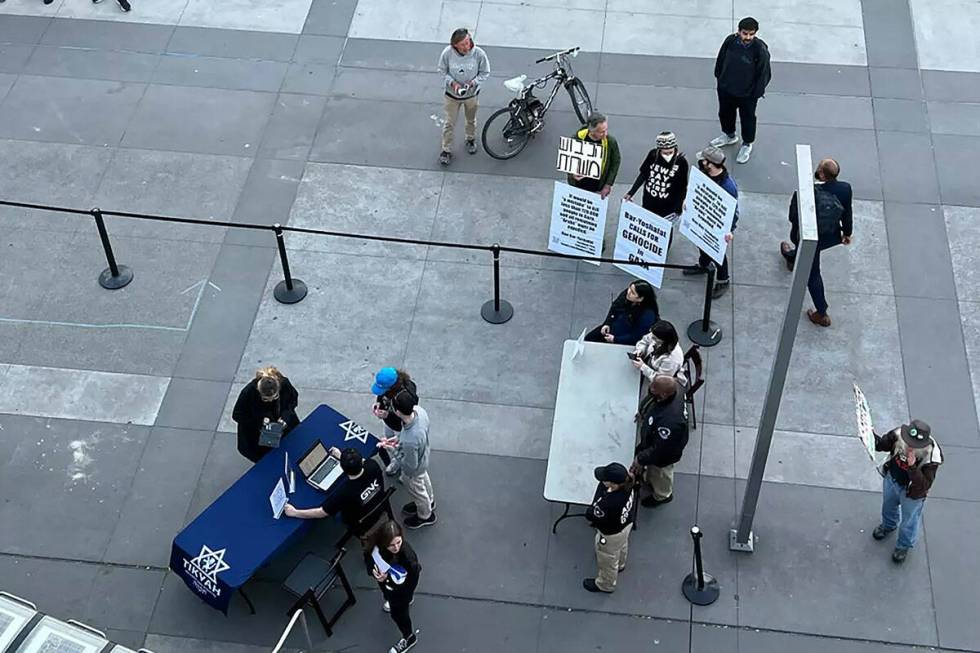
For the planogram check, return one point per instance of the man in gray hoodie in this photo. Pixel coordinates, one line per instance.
(465, 67)
(410, 447)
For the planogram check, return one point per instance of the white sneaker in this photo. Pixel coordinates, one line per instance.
(724, 139)
(744, 153)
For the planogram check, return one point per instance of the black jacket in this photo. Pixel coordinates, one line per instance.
(743, 71)
(250, 409)
(628, 322)
(407, 560)
(611, 512)
(393, 421)
(664, 184)
(842, 191)
(663, 431)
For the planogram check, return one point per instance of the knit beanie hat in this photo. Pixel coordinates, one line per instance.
(666, 141)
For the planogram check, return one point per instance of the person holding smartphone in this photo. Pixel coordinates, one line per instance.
(398, 583)
(388, 382)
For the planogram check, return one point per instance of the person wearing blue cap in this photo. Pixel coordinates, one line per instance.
(388, 382)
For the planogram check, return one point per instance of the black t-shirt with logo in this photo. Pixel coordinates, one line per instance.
(357, 497)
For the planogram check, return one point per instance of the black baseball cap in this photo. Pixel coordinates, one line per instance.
(916, 434)
(351, 461)
(612, 473)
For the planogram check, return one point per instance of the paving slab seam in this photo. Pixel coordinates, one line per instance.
(858, 640)
(82, 561)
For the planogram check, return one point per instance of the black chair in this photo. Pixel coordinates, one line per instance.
(311, 579)
(694, 369)
(370, 518)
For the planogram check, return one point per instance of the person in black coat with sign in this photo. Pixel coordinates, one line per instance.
(630, 316)
(397, 585)
(269, 397)
(833, 201)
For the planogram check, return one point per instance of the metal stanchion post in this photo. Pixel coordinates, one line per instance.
(496, 310)
(704, 332)
(698, 587)
(289, 290)
(115, 276)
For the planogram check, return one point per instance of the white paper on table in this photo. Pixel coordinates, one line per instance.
(292, 481)
(379, 562)
(278, 499)
(580, 344)
(708, 215)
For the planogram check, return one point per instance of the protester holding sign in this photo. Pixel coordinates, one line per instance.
(908, 474)
(465, 67)
(629, 317)
(268, 398)
(835, 222)
(663, 175)
(659, 353)
(711, 161)
(397, 580)
(596, 130)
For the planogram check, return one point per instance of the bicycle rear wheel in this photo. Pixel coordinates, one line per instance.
(506, 133)
(580, 99)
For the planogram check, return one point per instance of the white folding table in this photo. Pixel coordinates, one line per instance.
(598, 392)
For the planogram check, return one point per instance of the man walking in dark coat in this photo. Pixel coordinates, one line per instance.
(835, 222)
(743, 72)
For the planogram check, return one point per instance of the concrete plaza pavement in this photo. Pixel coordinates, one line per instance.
(114, 406)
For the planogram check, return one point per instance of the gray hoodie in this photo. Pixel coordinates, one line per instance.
(412, 451)
(469, 70)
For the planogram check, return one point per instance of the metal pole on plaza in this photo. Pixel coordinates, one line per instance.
(704, 332)
(496, 310)
(740, 539)
(289, 290)
(115, 276)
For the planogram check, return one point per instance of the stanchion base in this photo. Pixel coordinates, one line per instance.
(497, 317)
(708, 338)
(705, 596)
(284, 295)
(109, 282)
(735, 545)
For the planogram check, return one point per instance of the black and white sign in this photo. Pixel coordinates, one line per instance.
(581, 158)
(642, 236)
(708, 214)
(578, 220)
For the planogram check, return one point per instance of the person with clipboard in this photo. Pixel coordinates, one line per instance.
(395, 566)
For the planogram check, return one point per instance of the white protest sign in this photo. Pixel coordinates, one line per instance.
(708, 214)
(866, 429)
(581, 158)
(578, 220)
(642, 236)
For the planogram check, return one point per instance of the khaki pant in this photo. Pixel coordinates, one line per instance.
(661, 481)
(610, 555)
(452, 113)
(419, 488)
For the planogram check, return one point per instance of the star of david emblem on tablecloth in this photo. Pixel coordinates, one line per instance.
(211, 563)
(354, 431)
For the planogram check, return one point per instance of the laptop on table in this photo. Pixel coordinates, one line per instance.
(320, 468)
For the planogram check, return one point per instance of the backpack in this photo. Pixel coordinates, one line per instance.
(829, 212)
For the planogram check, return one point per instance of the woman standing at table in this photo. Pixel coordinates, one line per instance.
(629, 317)
(269, 397)
(399, 582)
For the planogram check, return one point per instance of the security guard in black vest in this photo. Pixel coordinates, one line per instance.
(663, 436)
(612, 513)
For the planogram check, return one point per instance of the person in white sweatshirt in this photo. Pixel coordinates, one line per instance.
(465, 67)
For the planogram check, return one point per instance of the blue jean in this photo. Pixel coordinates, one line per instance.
(897, 507)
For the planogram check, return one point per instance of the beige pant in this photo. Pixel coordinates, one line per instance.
(452, 113)
(419, 488)
(661, 480)
(610, 555)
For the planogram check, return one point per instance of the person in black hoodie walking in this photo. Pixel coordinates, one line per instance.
(397, 585)
(269, 397)
(743, 72)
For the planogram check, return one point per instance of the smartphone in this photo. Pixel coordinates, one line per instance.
(632, 355)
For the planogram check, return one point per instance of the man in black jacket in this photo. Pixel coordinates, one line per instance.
(743, 72)
(612, 514)
(835, 224)
(663, 436)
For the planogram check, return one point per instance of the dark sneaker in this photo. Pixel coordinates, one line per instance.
(124, 5)
(404, 644)
(820, 319)
(880, 532)
(471, 147)
(590, 586)
(690, 272)
(898, 555)
(652, 501)
(445, 158)
(413, 521)
(411, 509)
(721, 287)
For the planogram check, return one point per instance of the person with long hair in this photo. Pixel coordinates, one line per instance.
(659, 352)
(630, 316)
(399, 582)
(612, 513)
(269, 397)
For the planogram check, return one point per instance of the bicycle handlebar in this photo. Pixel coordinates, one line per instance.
(558, 54)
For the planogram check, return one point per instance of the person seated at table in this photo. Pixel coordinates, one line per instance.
(659, 352)
(388, 382)
(630, 316)
(397, 585)
(612, 513)
(269, 397)
(362, 493)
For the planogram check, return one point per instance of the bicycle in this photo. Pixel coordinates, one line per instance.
(523, 117)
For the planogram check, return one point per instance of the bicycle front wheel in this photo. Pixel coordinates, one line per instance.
(580, 99)
(505, 134)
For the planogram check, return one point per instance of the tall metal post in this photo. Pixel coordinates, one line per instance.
(496, 310)
(289, 290)
(115, 276)
(740, 539)
(704, 332)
